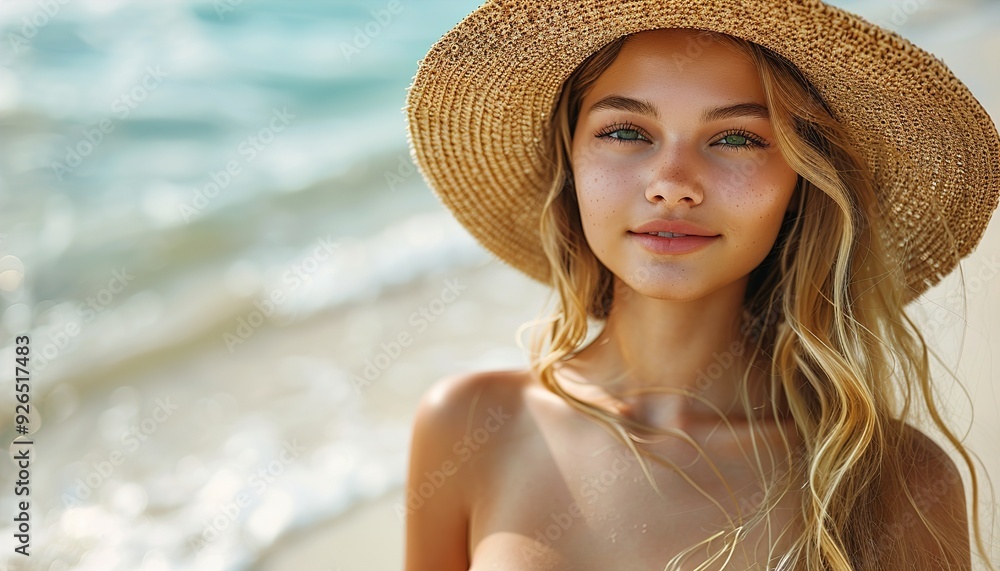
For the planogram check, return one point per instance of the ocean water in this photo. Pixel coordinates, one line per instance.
(203, 141)
(165, 167)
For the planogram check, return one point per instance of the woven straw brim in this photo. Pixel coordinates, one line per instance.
(484, 94)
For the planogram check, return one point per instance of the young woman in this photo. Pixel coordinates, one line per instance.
(738, 199)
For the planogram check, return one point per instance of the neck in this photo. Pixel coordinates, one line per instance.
(653, 354)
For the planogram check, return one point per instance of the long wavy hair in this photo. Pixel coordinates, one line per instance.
(824, 317)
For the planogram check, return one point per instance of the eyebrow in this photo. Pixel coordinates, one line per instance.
(755, 110)
(642, 107)
(619, 103)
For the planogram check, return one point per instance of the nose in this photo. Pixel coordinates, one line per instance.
(675, 179)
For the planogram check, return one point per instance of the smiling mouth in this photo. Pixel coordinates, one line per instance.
(672, 243)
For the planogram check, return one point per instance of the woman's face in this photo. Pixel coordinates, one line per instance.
(674, 137)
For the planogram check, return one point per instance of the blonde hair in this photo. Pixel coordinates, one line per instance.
(831, 330)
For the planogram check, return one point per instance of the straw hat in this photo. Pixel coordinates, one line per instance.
(481, 100)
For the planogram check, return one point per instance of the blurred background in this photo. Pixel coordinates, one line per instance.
(237, 286)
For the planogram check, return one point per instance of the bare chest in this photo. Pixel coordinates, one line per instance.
(561, 493)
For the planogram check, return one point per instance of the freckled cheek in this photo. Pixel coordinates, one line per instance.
(604, 193)
(767, 221)
(755, 215)
(765, 207)
(756, 185)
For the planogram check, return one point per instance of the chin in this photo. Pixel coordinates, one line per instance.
(668, 286)
(671, 291)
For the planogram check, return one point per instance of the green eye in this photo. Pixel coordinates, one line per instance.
(622, 134)
(740, 140)
(627, 134)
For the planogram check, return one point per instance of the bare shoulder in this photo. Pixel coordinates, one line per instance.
(454, 420)
(928, 457)
(928, 518)
(931, 473)
(458, 401)
(470, 422)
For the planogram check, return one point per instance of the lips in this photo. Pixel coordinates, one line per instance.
(672, 228)
(667, 234)
(673, 236)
